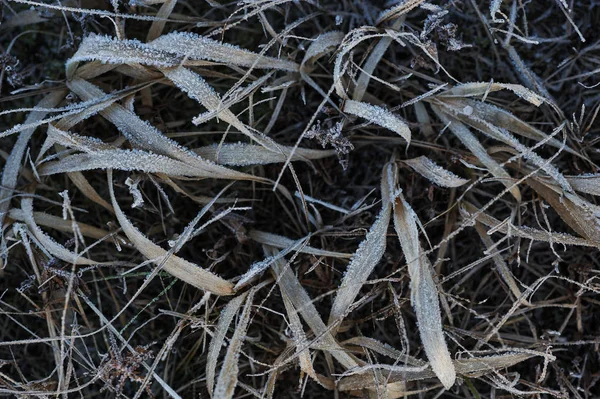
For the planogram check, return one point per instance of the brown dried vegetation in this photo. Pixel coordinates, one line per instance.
(298, 198)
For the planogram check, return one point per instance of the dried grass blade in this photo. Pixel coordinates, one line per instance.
(589, 184)
(114, 51)
(293, 290)
(225, 319)
(197, 89)
(242, 154)
(378, 116)
(196, 47)
(424, 294)
(367, 256)
(398, 10)
(472, 367)
(12, 167)
(471, 142)
(132, 160)
(488, 119)
(172, 264)
(282, 242)
(158, 25)
(58, 137)
(48, 244)
(228, 377)
(440, 176)
(60, 224)
(501, 265)
(477, 366)
(323, 44)
(300, 341)
(147, 137)
(474, 89)
(371, 63)
(86, 189)
(580, 215)
(470, 211)
(384, 349)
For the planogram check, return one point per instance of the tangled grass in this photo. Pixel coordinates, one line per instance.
(277, 198)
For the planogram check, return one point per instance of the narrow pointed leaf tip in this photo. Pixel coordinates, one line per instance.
(379, 116)
(367, 256)
(440, 176)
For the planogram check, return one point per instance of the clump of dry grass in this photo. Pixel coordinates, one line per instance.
(284, 198)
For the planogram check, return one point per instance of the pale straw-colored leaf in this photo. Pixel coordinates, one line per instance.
(384, 349)
(100, 155)
(60, 224)
(424, 294)
(300, 341)
(371, 63)
(482, 116)
(172, 264)
(589, 184)
(367, 256)
(423, 119)
(158, 25)
(112, 50)
(402, 8)
(196, 47)
(12, 167)
(258, 267)
(471, 212)
(378, 116)
(218, 339)
(340, 66)
(145, 136)
(430, 170)
(501, 265)
(282, 242)
(48, 243)
(197, 88)
(131, 160)
(581, 215)
(470, 367)
(324, 44)
(291, 287)
(242, 154)
(474, 89)
(463, 133)
(228, 377)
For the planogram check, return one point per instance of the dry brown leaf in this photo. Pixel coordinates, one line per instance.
(367, 256)
(172, 264)
(281, 242)
(471, 212)
(378, 116)
(291, 287)
(471, 142)
(581, 215)
(429, 169)
(216, 343)
(400, 9)
(470, 367)
(228, 377)
(48, 243)
(424, 294)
